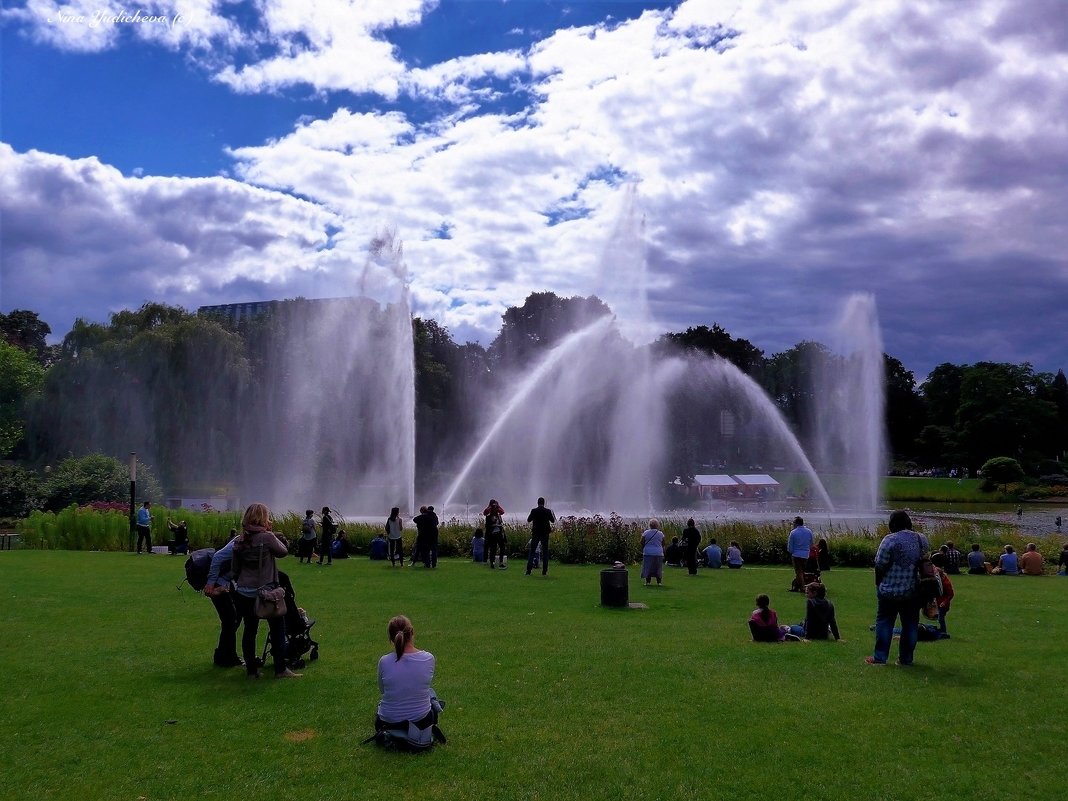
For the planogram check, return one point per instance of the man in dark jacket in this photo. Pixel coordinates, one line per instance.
(426, 526)
(329, 528)
(541, 520)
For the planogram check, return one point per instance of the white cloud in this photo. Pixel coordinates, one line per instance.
(81, 235)
(783, 150)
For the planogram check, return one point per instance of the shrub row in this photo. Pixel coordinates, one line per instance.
(576, 540)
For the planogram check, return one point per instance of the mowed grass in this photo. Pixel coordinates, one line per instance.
(549, 695)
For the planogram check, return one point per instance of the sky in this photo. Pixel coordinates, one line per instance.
(774, 157)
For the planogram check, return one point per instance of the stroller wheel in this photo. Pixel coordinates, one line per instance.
(314, 653)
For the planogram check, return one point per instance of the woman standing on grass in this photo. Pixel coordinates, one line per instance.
(404, 677)
(653, 553)
(394, 527)
(255, 551)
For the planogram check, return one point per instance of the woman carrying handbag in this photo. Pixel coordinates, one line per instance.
(254, 569)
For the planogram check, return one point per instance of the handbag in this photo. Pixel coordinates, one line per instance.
(270, 602)
(270, 598)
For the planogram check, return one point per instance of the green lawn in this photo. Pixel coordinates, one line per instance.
(549, 696)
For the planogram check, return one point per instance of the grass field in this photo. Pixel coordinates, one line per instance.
(109, 691)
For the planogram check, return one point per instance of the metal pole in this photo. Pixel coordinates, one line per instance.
(133, 494)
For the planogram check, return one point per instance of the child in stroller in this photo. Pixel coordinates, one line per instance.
(298, 630)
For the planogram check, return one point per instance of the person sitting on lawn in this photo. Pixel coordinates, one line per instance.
(819, 615)
(764, 622)
(977, 564)
(379, 547)
(953, 558)
(1031, 562)
(404, 677)
(673, 553)
(714, 555)
(1008, 564)
(478, 546)
(734, 556)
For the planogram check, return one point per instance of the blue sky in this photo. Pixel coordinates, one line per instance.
(785, 155)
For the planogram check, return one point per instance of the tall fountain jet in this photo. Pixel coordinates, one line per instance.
(606, 419)
(337, 423)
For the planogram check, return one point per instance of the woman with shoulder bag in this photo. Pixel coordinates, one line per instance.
(254, 568)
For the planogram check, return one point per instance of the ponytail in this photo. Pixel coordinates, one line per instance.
(400, 634)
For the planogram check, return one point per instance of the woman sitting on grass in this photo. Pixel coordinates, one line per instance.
(404, 677)
(764, 623)
(734, 556)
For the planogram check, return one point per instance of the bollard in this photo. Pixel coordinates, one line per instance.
(614, 587)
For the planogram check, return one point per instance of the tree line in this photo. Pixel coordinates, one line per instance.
(173, 381)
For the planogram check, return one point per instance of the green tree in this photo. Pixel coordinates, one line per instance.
(1003, 410)
(97, 477)
(714, 341)
(25, 330)
(21, 377)
(905, 415)
(941, 394)
(543, 320)
(20, 491)
(1002, 470)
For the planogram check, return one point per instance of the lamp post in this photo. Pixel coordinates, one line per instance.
(133, 492)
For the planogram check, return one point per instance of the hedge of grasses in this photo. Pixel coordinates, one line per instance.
(576, 540)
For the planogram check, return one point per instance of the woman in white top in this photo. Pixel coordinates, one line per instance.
(653, 553)
(404, 677)
(394, 529)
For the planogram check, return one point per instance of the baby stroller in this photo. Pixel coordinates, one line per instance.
(298, 631)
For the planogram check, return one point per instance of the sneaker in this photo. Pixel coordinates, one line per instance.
(288, 674)
(870, 660)
(255, 675)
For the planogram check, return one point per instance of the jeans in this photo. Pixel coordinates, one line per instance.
(144, 534)
(396, 550)
(543, 540)
(890, 608)
(246, 608)
(324, 549)
(942, 612)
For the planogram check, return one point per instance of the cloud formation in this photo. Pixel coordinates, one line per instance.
(786, 155)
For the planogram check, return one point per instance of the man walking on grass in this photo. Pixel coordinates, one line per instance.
(541, 521)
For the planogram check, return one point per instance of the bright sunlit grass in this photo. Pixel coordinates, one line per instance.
(548, 694)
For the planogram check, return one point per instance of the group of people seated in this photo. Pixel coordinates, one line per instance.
(714, 557)
(819, 622)
(1029, 563)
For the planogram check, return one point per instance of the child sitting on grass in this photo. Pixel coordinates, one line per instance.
(764, 622)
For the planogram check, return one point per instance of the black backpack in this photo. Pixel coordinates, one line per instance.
(197, 566)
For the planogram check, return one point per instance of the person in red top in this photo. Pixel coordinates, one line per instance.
(946, 598)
